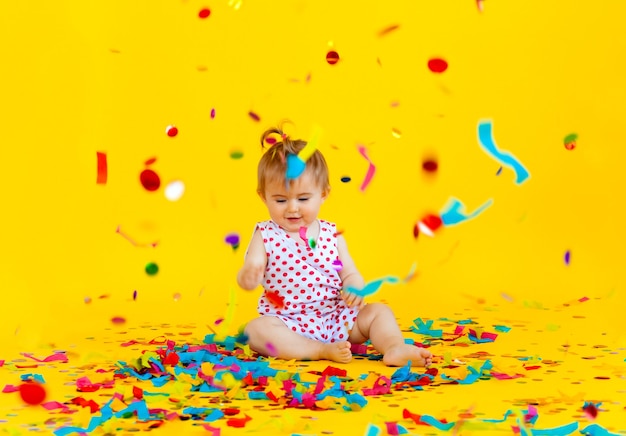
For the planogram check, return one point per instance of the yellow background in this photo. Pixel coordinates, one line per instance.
(82, 77)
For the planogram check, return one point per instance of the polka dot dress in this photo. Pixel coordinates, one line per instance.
(301, 286)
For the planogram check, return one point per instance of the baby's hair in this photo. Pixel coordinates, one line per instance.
(273, 163)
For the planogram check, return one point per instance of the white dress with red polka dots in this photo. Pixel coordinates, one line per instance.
(301, 286)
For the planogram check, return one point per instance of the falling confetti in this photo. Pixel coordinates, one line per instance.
(370, 171)
(102, 168)
(387, 30)
(204, 13)
(177, 296)
(566, 258)
(174, 190)
(213, 113)
(150, 180)
(437, 65)
(132, 241)
(236, 154)
(485, 139)
(152, 269)
(32, 393)
(232, 239)
(570, 141)
(118, 320)
(254, 116)
(337, 265)
(430, 165)
(134, 295)
(453, 212)
(332, 57)
(396, 133)
(171, 131)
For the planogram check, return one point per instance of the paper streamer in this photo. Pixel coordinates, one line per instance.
(372, 287)
(311, 145)
(370, 171)
(454, 212)
(102, 168)
(485, 139)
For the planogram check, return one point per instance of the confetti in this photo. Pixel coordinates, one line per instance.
(171, 131)
(132, 241)
(311, 144)
(276, 299)
(332, 57)
(295, 166)
(437, 65)
(485, 139)
(236, 154)
(232, 239)
(453, 212)
(387, 30)
(345, 179)
(32, 393)
(337, 265)
(134, 295)
(177, 296)
(150, 161)
(149, 180)
(370, 171)
(254, 116)
(174, 190)
(372, 287)
(102, 168)
(302, 233)
(566, 258)
(213, 113)
(429, 165)
(427, 225)
(204, 13)
(396, 133)
(570, 141)
(271, 349)
(118, 320)
(152, 269)
(479, 5)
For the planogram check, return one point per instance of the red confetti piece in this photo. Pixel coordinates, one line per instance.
(331, 371)
(238, 422)
(213, 113)
(230, 411)
(433, 222)
(254, 116)
(583, 299)
(370, 171)
(32, 393)
(150, 180)
(171, 359)
(275, 299)
(150, 161)
(204, 13)
(118, 320)
(137, 392)
(437, 65)
(171, 131)
(102, 168)
(332, 57)
(591, 411)
(430, 165)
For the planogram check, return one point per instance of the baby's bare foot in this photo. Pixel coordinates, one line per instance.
(401, 354)
(337, 352)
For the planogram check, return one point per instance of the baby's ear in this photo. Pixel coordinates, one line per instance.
(325, 193)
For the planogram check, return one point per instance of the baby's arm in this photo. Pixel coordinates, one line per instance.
(251, 273)
(349, 274)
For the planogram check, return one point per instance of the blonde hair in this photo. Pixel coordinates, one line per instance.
(273, 164)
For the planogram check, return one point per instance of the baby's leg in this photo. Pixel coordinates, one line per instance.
(269, 336)
(377, 323)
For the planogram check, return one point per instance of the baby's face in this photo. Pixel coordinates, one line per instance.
(296, 205)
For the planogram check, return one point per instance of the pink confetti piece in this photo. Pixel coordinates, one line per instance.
(1, 363)
(51, 405)
(132, 241)
(10, 388)
(337, 266)
(271, 349)
(254, 116)
(215, 431)
(583, 299)
(459, 330)
(370, 171)
(503, 376)
(52, 358)
(302, 233)
(213, 113)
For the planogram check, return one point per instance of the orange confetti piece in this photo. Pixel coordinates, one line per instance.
(102, 168)
(275, 299)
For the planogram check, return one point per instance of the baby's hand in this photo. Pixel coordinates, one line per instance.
(251, 276)
(352, 300)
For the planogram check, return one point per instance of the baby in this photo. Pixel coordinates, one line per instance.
(305, 269)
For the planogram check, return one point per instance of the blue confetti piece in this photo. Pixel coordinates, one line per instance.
(257, 395)
(372, 430)
(295, 166)
(597, 430)
(485, 139)
(160, 381)
(424, 328)
(35, 377)
(563, 430)
(502, 328)
(453, 212)
(372, 287)
(434, 422)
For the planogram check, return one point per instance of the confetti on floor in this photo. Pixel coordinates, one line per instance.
(168, 378)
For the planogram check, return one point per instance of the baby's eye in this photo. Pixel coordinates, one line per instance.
(280, 201)
(303, 199)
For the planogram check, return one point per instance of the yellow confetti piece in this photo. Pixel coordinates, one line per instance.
(311, 145)
(396, 133)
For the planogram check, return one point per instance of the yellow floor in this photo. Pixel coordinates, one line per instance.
(566, 356)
